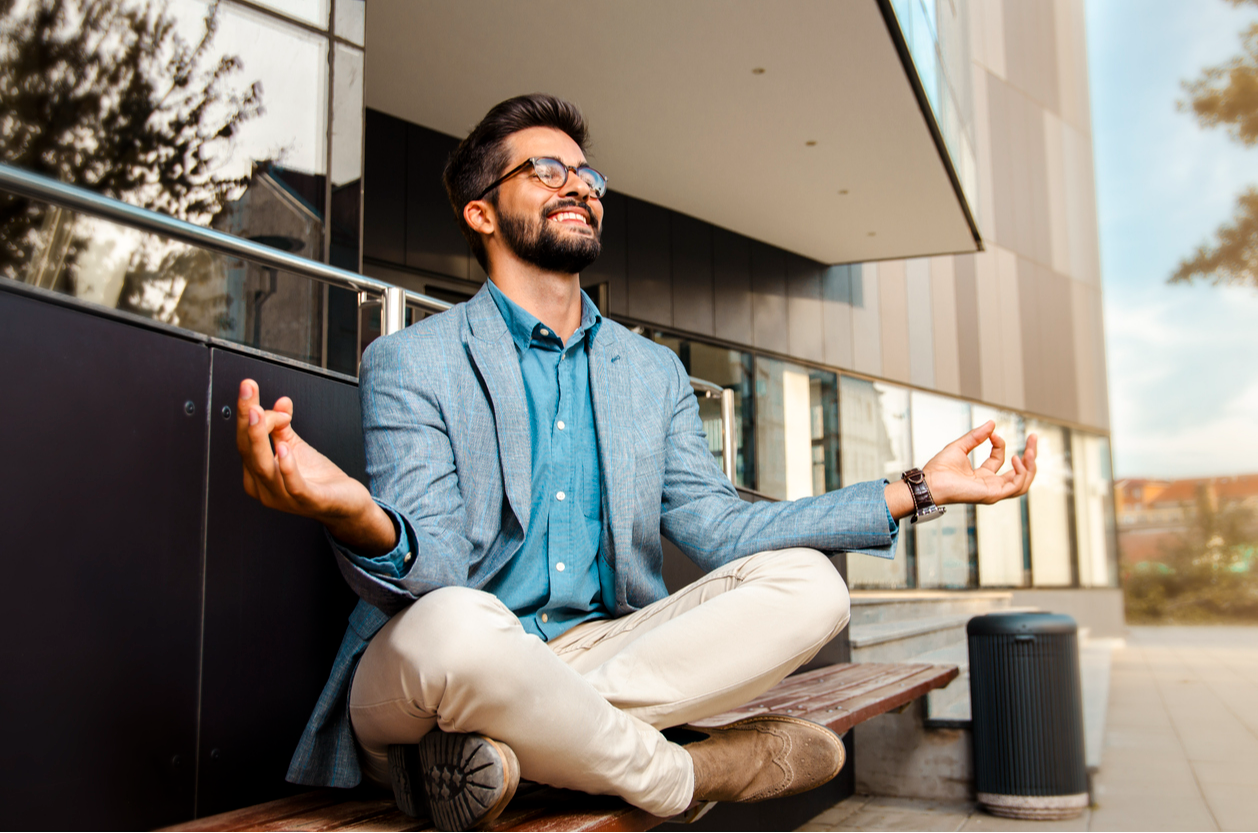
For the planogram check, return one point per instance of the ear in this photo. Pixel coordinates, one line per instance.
(480, 217)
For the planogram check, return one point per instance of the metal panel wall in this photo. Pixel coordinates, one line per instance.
(275, 603)
(104, 451)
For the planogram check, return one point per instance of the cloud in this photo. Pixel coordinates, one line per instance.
(1183, 386)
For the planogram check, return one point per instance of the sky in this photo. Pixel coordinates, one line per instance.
(1183, 375)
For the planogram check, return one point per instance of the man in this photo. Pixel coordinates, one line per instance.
(525, 456)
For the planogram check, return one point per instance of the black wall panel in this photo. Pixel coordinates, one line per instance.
(691, 242)
(384, 188)
(768, 313)
(433, 239)
(803, 294)
(102, 462)
(610, 266)
(275, 603)
(647, 263)
(731, 286)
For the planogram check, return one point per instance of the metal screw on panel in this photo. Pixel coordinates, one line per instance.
(215, 754)
(177, 760)
(227, 412)
(189, 407)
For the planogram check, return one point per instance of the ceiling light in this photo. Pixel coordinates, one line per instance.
(758, 71)
(811, 143)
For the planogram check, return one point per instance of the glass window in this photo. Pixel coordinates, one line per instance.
(729, 369)
(1050, 508)
(314, 12)
(944, 551)
(875, 444)
(1002, 556)
(351, 20)
(796, 430)
(1094, 510)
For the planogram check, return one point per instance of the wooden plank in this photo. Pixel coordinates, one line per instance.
(838, 697)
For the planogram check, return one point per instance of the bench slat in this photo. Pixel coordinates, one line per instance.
(838, 696)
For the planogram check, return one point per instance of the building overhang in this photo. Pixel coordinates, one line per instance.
(830, 152)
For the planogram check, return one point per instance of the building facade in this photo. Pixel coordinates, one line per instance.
(874, 221)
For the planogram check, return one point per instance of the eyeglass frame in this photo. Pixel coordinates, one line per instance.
(533, 160)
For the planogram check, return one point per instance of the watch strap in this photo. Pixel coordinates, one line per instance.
(924, 506)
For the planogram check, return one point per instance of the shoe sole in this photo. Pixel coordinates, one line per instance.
(467, 779)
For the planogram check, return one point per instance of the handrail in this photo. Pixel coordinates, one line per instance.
(393, 299)
(38, 187)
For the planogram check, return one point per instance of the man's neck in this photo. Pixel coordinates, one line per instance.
(553, 298)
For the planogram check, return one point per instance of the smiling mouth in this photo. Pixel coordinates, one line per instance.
(570, 217)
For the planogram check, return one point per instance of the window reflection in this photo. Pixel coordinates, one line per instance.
(944, 553)
(729, 369)
(874, 425)
(796, 429)
(1050, 508)
(1002, 557)
(212, 113)
(1094, 510)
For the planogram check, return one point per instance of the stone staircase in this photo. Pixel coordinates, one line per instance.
(923, 626)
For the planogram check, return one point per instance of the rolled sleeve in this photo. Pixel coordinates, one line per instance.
(393, 564)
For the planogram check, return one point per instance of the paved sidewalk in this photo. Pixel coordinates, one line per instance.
(1181, 746)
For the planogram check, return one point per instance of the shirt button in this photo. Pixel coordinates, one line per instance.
(559, 425)
(559, 566)
(560, 496)
(545, 618)
(545, 331)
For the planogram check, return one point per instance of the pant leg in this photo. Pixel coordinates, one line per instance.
(723, 640)
(459, 660)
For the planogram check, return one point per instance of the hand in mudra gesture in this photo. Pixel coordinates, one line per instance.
(952, 479)
(283, 471)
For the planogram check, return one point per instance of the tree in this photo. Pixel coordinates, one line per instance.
(1205, 574)
(108, 95)
(1227, 96)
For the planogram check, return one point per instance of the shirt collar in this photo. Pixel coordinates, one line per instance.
(525, 327)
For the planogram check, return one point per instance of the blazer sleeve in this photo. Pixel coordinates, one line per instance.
(704, 516)
(411, 474)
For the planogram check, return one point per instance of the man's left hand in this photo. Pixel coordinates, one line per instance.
(952, 479)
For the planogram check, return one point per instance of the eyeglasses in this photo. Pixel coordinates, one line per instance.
(553, 174)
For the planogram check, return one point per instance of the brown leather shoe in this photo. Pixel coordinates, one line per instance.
(762, 757)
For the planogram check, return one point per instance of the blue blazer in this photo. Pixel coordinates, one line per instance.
(446, 430)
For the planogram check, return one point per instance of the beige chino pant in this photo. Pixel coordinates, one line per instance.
(584, 711)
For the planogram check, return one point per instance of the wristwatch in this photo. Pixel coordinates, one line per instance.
(923, 504)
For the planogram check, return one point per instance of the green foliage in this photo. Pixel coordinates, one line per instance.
(1227, 96)
(1208, 574)
(107, 94)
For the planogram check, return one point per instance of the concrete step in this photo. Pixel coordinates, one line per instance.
(874, 606)
(905, 640)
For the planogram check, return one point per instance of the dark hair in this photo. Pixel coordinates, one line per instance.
(482, 156)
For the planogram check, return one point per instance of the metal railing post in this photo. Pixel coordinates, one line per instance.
(728, 451)
(392, 310)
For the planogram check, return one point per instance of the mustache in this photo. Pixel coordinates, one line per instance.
(563, 204)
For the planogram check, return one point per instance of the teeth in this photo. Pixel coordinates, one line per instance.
(568, 215)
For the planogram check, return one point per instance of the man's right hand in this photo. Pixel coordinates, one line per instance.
(283, 471)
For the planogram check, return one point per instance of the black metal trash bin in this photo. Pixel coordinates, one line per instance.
(1027, 710)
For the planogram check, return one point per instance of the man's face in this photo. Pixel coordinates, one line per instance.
(558, 231)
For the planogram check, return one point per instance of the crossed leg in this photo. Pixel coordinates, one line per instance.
(584, 711)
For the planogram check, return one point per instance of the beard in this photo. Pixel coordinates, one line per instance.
(536, 241)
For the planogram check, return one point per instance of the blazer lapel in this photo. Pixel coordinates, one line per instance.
(494, 354)
(613, 415)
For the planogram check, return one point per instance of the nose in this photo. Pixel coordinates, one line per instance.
(575, 186)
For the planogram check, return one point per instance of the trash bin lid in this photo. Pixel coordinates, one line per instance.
(1021, 622)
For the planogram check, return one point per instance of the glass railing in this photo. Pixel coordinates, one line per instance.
(252, 292)
(919, 27)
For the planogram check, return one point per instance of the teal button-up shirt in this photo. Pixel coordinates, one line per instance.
(554, 581)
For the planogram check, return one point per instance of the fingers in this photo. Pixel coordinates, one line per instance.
(997, 458)
(294, 483)
(977, 437)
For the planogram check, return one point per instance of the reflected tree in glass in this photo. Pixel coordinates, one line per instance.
(110, 96)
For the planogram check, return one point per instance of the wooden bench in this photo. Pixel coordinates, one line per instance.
(837, 696)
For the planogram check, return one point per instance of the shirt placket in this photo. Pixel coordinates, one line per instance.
(562, 499)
